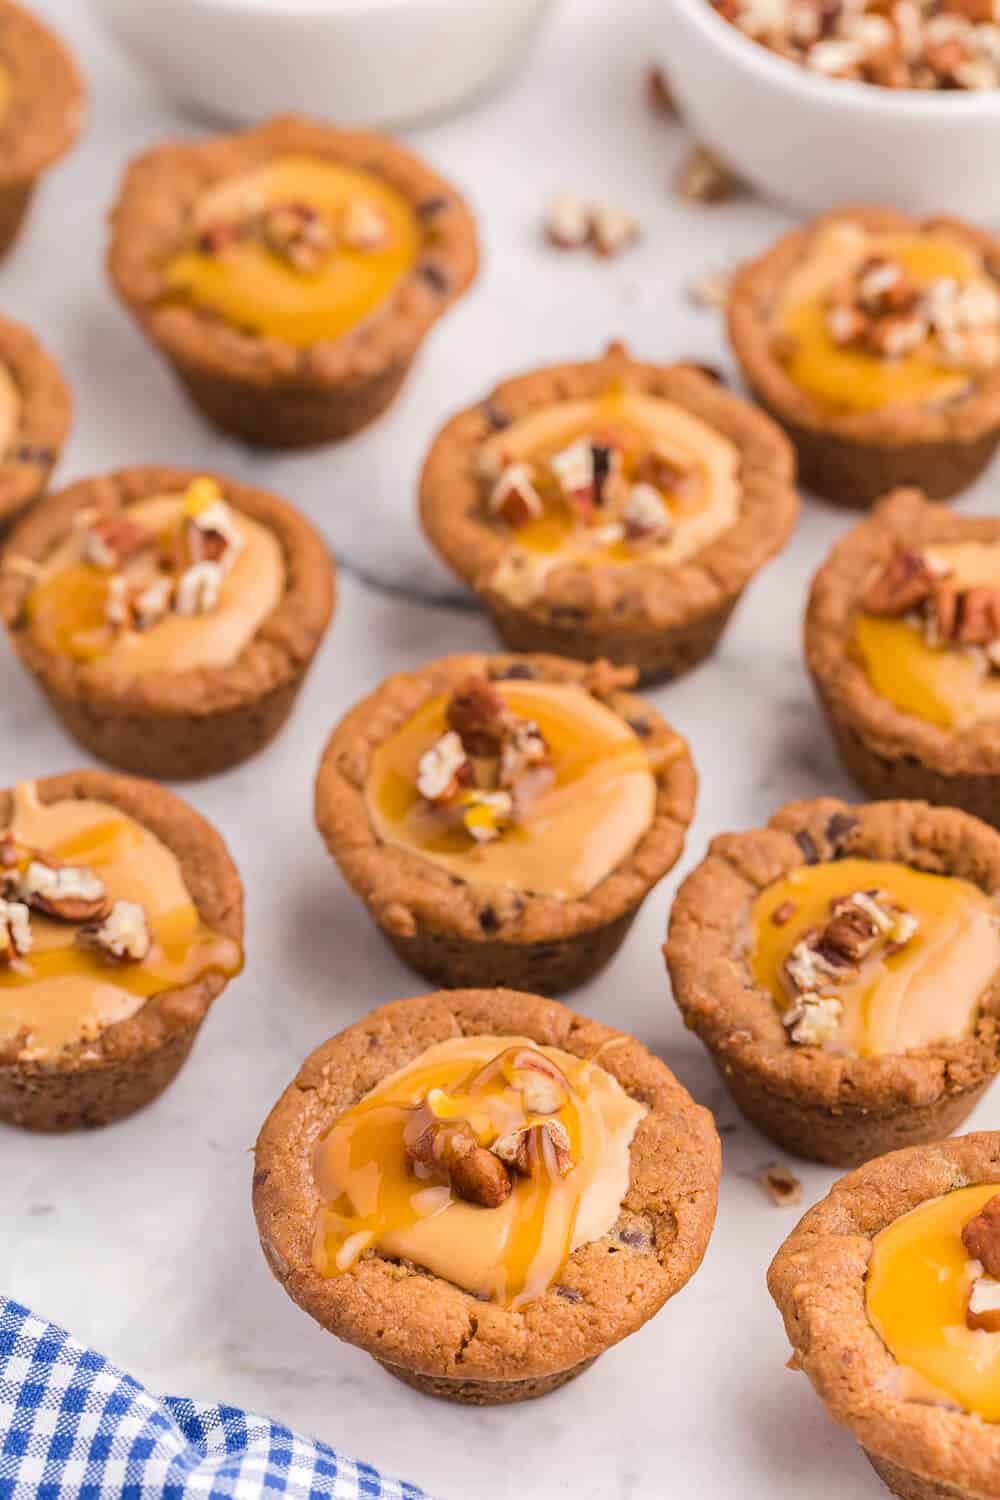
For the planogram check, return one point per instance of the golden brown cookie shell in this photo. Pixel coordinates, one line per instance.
(817, 1280)
(44, 421)
(177, 725)
(661, 620)
(128, 1064)
(258, 387)
(889, 751)
(429, 1330)
(829, 1108)
(458, 933)
(854, 457)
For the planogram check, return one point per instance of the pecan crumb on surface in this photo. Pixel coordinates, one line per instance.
(703, 177)
(781, 1185)
(451, 1152)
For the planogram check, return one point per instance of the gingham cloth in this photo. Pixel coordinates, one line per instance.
(73, 1425)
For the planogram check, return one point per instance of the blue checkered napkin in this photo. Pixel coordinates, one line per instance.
(74, 1427)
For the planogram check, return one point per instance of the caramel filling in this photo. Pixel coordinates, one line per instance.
(251, 287)
(511, 1253)
(60, 993)
(699, 508)
(929, 990)
(599, 805)
(943, 684)
(919, 1281)
(67, 608)
(854, 379)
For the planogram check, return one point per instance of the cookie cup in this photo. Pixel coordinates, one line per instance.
(41, 424)
(175, 725)
(429, 1332)
(663, 620)
(128, 1064)
(817, 1279)
(458, 933)
(889, 752)
(42, 115)
(259, 387)
(826, 1107)
(852, 458)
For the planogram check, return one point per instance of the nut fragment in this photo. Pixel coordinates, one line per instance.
(540, 1083)
(703, 177)
(905, 582)
(781, 1185)
(981, 1237)
(645, 516)
(198, 588)
(70, 893)
(451, 1152)
(297, 233)
(362, 226)
(111, 541)
(15, 931)
(567, 222)
(537, 1148)
(514, 497)
(613, 230)
(486, 814)
(122, 937)
(813, 1020)
(478, 715)
(443, 769)
(983, 1310)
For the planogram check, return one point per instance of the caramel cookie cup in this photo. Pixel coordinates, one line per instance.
(90, 1069)
(453, 922)
(428, 1331)
(35, 411)
(287, 389)
(660, 613)
(951, 758)
(922, 1444)
(854, 456)
(41, 110)
(825, 1094)
(148, 715)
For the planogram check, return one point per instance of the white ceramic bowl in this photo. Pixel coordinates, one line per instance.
(359, 62)
(814, 143)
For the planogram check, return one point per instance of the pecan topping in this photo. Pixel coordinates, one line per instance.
(906, 581)
(15, 931)
(514, 497)
(198, 588)
(443, 769)
(544, 1147)
(571, 224)
(540, 1083)
(70, 893)
(981, 1237)
(813, 1020)
(297, 233)
(486, 814)
(110, 542)
(451, 1152)
(983, 1310)
(479, 716)
(122, 937)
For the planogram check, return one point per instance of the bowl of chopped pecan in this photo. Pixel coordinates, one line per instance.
(819, 102)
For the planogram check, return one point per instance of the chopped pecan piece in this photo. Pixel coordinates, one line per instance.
(70, 893)
(645, 515)
(906, 581)
(981, 1237)
(567, 222)
(813, 1020)
(983, 1310)
(443, 769)
(479, 716)
(540, 1082)
(198, 588)
(486, 814)
(536, 1148)
(297, 233)
(613, 230)
(781, 1185)
(978, 616)
(111, 541)
(514, 497)
(452, 1152)
(885, 286)
(122, 937)
(15, 931)
(523, 747)
(850, 935)
(362, 226)
(703, 178)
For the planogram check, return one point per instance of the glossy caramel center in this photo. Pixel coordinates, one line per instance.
(928, 991)
(511, 1253)
(575, 833)
(251, 287)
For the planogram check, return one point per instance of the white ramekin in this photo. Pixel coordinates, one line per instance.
(814, 143)
(359, 62)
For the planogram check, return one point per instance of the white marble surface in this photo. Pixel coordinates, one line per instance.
(140, 1239)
